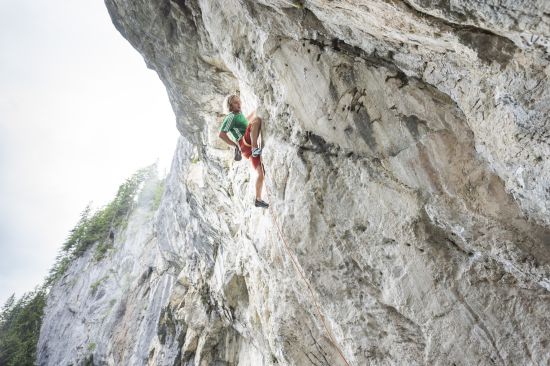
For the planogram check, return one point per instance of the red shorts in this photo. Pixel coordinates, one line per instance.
(247, 150)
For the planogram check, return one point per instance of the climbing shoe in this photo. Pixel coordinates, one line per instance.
(238, 155)
(256, 151)
(260, 203)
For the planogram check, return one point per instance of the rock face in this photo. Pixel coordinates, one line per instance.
(407, 160)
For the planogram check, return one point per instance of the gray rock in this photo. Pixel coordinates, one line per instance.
(407, 156)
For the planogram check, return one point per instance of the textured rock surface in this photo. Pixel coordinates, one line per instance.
(407, 163)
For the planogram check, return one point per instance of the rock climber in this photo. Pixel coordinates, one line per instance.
(246, 134)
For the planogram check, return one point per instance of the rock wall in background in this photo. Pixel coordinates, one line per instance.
(407, 159)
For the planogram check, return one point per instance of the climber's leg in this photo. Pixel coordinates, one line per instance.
(256, 125)
(258, 166)
(259, 182)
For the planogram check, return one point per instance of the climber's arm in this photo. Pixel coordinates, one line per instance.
(226, 126)
(223, 135)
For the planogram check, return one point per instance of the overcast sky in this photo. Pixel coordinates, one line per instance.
(79, 113)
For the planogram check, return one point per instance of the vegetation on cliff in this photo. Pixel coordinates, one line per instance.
(20, 319)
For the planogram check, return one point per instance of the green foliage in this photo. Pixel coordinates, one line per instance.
(20, 320)
(98, 228)
(59, 268)
(20, 323)
(101, 249)
(78, 233)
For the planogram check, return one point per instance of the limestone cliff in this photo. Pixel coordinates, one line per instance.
(407, 157)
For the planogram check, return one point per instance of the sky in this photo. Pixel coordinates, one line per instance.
(79, 113)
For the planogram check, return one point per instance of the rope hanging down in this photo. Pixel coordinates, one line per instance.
(300, 271)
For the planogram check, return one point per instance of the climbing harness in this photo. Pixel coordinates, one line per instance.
(300, 271)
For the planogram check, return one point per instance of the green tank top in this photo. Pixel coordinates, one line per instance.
(235, 124)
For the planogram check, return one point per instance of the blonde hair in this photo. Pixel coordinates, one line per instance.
(227, 103)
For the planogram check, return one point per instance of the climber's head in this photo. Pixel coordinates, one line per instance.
(233, 103)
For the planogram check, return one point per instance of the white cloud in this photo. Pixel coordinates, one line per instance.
(79, 113)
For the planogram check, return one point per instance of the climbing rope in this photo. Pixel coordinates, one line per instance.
(300, 271)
